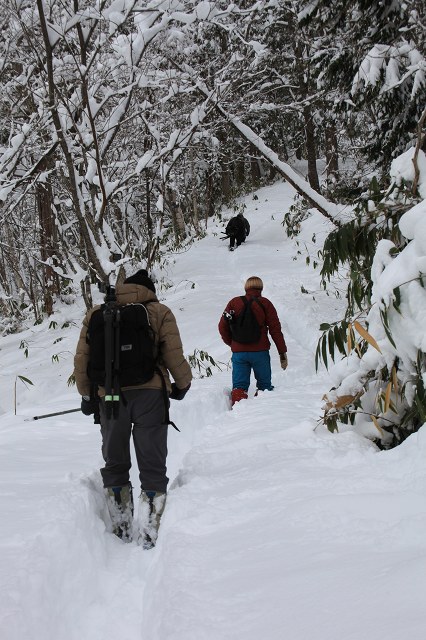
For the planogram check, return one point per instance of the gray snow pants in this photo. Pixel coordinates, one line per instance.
(142, 414)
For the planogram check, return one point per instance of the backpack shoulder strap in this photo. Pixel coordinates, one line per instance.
(261, 306)
(251, 300)
(247, 304)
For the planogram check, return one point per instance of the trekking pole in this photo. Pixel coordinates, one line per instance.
(108, 320)
(112, 346)
(116, 364)
(50, 415)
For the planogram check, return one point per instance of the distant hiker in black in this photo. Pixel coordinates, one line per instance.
(142, 407)
(237, 230)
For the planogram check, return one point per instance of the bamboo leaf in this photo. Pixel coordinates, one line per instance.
(364, 333)
(343, 401)
(324, 350)
(376, 424)
(340, 402)
(393, 408)
(349, 338)
(331, 344)
(394, 380)
(317, 355)
(397, 300)
(389, 336)
(358, 350)
(26, 380)
(385, 322)
(420, 408)
(388, 396)
(338, 340)
(384, 316)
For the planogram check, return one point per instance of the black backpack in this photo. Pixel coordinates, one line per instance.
(235, 226)
(137, 361)
(245, 327)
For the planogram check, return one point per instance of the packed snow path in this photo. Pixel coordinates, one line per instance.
(274, 528)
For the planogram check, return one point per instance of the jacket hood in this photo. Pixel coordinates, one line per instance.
(128, 293)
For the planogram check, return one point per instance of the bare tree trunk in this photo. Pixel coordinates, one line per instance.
(180, 219)
(153, 242)
(331, 153)
(193, 195)
(8, 305)
(225, 175)
(45, 219)
(226, 182)
(195, 214)
(177, 214)
(311, 149)
(255, 171)
(44, 199)
(239, 173)
(149, 224)
(210, 209)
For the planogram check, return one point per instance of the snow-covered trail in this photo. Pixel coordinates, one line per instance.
(273, 528)
(276, 532)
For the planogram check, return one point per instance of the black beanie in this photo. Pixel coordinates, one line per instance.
(141, 277)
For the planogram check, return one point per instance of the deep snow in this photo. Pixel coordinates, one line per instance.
(274, 527)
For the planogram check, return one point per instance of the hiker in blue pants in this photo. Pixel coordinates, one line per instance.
(243, 362)
(244, 326)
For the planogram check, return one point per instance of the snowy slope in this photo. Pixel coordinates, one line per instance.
(274, 529)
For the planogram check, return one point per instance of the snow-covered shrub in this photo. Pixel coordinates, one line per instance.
(380, 384)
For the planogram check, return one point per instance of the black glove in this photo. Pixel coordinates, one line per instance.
(178, 394)
(88, 406)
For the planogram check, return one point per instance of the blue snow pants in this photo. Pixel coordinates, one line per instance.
(242, 364)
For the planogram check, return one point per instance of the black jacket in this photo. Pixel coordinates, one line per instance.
(238, 227)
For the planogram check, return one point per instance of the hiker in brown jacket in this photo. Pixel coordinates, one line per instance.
(142, 413)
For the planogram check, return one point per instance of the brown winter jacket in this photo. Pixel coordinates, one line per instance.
(167, 340)
(266, 316)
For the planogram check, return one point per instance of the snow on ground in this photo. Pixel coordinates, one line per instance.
(274, 528)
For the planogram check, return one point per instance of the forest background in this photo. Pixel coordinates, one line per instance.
(126, 125)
